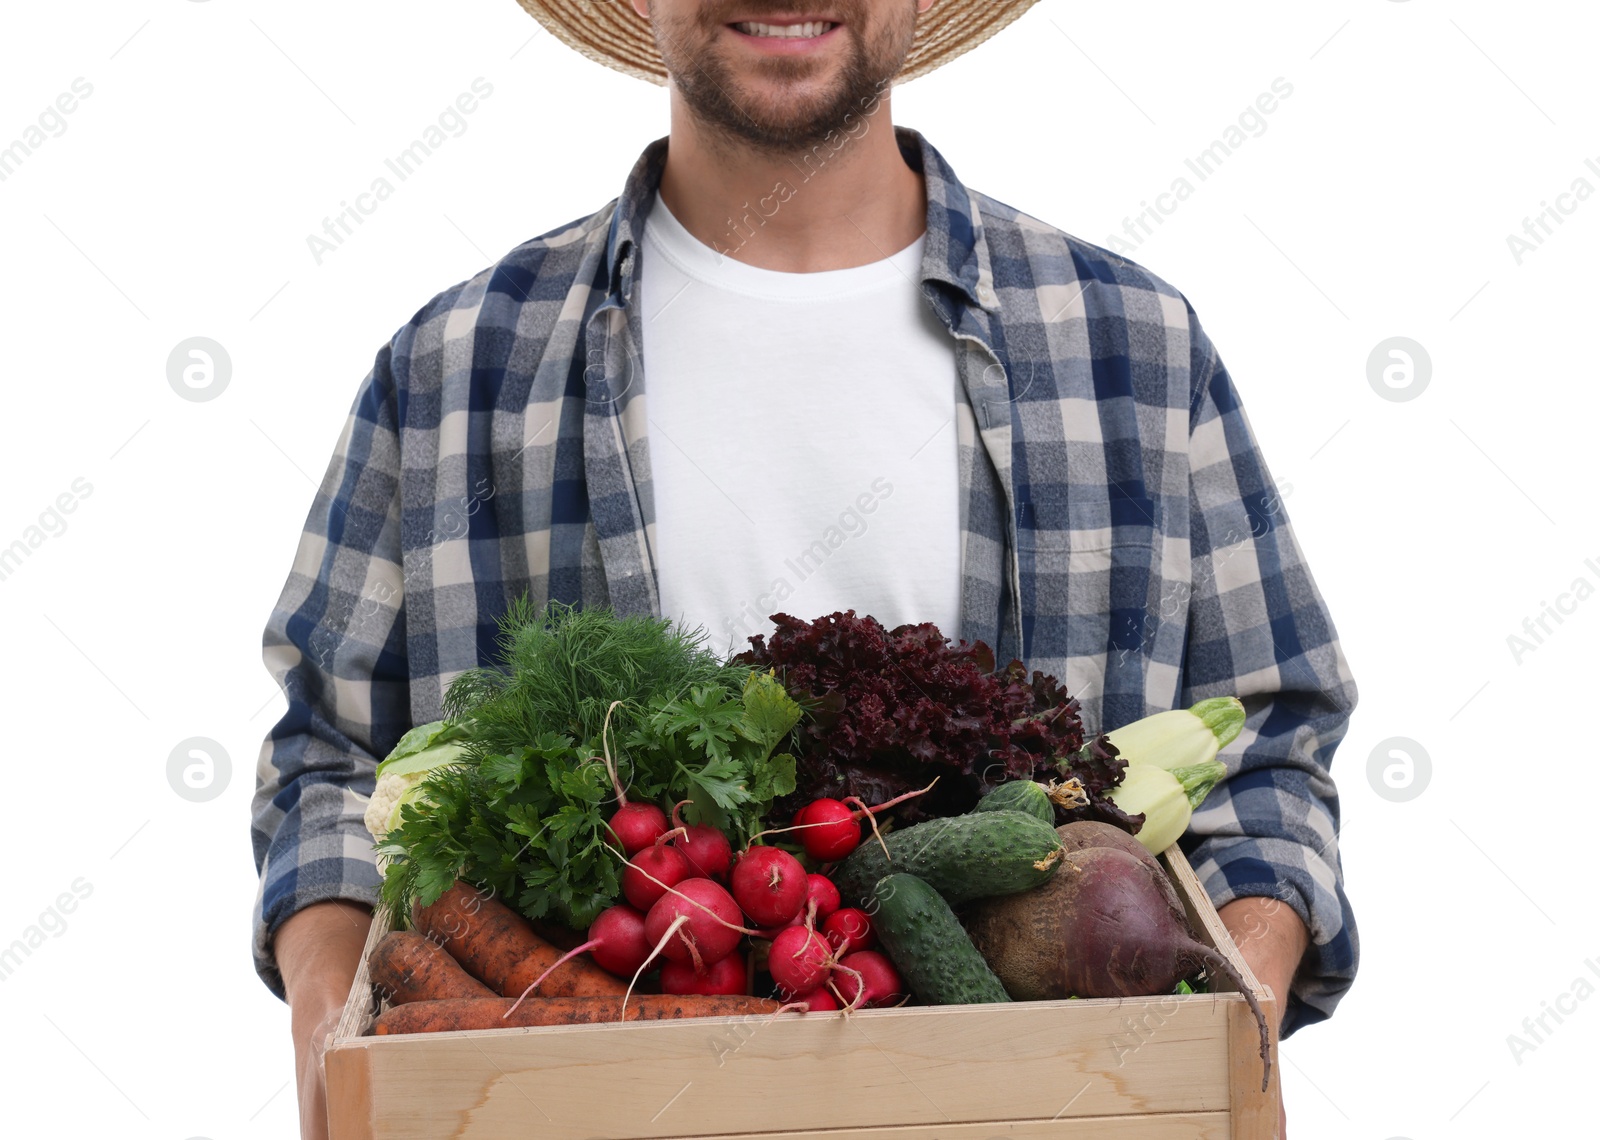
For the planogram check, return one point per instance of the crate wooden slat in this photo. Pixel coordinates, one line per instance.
(1147, 1067)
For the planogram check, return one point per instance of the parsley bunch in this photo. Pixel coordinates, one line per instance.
(524, 814)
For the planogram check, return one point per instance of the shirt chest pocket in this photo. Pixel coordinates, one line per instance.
(1091, 583)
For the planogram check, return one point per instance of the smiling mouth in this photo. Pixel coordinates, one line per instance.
(806, 31)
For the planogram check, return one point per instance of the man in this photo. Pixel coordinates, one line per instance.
(869, 387)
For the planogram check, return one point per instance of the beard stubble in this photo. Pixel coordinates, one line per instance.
(711, 86)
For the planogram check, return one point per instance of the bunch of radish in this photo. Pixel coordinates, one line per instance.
(691, 902)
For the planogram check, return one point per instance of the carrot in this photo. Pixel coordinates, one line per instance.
(487, 1013)
(497, 946)
(407, 967)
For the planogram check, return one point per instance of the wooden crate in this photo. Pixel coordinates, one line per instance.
(1161, 1068)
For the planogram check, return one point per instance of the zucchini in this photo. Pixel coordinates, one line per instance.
(1020, 795)
(927, 944)
(1181, 738)
(963, 857)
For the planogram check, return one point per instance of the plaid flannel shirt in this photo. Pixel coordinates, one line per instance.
(1120, 530)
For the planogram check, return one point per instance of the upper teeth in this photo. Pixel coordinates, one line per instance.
(789, 31)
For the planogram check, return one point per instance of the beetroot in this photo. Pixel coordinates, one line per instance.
(1092, 833)
(769, 884)
(1100, 928)
(651, 871)
(712, 930)
(799, 961)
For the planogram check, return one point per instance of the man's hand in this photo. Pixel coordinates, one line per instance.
(1272, 940)
(318, 950)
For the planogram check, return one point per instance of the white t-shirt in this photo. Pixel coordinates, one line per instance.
(802, 440)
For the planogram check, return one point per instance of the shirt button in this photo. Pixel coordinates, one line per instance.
(986, 294)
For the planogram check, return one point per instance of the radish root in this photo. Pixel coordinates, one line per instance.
(872, 819)
(556, 965)
(666, 937)
(611, 767)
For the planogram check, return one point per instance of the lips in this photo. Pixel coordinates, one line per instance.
(798, 29)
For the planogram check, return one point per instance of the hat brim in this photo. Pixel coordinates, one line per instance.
(612, 33)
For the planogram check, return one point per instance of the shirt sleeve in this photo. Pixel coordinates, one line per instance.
(335, 643)
(1258, 629)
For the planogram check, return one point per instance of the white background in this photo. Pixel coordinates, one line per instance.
(1377, 204)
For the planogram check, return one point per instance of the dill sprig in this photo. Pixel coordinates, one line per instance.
(564, 667)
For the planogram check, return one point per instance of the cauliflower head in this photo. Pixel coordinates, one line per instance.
(400, 776)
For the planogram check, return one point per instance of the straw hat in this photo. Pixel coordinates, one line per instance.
(612, 33)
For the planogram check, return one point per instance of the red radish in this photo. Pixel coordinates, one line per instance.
(820, 890)
(820, 1000)
(771, 932)
(799, 961)
(830, 830)
(651, 871)
(709, 851)
(728, 976)
(769, 884)
(871, 976)
(711, 931)
(849, 930)
(638, 825)
(616, 942)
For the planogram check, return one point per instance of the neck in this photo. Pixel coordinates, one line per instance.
(815, 210)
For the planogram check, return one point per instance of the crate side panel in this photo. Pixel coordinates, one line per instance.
(1166, 1126)
(919, 1065)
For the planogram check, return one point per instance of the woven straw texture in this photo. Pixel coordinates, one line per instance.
(612, 33)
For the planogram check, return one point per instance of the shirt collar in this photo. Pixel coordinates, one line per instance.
(954, 253)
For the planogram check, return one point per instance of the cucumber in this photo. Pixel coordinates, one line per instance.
(963, 857)
(927, 944)
(1020, 795)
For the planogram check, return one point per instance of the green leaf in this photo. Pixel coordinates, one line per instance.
(722, 782)
(502, 769)
(420, 739)
(769, 712)
(434, 879)
(772, 777)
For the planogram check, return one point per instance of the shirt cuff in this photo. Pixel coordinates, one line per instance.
(343, 868)
(1233, 867)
